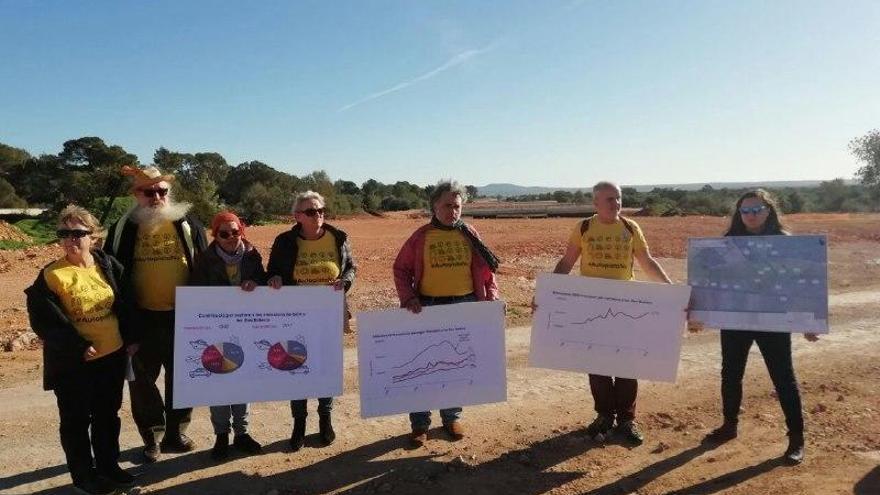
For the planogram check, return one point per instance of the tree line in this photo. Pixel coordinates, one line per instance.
(87, 172)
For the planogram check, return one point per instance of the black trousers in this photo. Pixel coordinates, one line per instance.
(89, 399)
(154, 417)
(776, 349)
(614, 396)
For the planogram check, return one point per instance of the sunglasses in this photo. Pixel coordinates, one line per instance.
(72, 233)
(754, 210)
(310, 212)
(152, 193)
(226, 234)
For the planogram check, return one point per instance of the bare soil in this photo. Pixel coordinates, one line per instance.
(534, 443)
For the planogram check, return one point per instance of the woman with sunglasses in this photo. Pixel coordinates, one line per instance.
(311, 253)
(77, 308)
(756, 213)
(229, 260)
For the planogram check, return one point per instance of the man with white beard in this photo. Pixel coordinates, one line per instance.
(156, 242)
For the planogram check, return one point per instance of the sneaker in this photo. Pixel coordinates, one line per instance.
(298, 436)
(794, 454)
(151, 453)
(95, 485)
(418, 437)
(600, 428)
(631, 432)
(325, 427)
(177, 444)
(246, 444)
(454, 429)
(117, 475)
(724, 433)
(220, 450)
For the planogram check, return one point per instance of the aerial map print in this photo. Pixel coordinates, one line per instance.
(774, 283)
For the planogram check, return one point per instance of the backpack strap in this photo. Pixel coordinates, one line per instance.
(585, 225)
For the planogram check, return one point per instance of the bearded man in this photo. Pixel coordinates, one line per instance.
(156, 242)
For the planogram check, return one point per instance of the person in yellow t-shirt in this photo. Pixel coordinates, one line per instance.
(76, 305)
(608, 245)
(311, 253)
(156, 242)
(443, 262)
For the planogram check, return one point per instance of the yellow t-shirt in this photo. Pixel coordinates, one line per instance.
(234, 274)
(159, 266)
(446, 264)
(607, 249)
(88, 301)
(317, 262)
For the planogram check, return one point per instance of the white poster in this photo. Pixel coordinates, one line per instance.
(446, 356)
(773, 283)
(608, 327)
(232, 346)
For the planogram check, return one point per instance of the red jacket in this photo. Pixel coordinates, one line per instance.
(408, 268)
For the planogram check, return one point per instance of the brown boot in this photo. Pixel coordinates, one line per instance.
(454, 429)
(418, 437)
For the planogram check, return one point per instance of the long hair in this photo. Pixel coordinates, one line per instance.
(772, 226)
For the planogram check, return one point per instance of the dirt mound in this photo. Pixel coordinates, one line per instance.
(12, 233)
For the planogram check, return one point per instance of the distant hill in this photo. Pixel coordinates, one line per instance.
(517, 190)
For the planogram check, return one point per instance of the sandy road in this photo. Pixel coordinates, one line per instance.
(533, 443)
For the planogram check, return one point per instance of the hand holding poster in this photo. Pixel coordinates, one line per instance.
(232, 346)
(608, 327)
(445, 356)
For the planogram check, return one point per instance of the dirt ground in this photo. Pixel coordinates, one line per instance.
(533, 443)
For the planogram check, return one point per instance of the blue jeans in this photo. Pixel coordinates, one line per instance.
(422, 420)
(220, 416)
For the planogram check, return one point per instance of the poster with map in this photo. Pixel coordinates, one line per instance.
(232, 346)
(774, 283)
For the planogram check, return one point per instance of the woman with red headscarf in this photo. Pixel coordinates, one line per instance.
(229, 260)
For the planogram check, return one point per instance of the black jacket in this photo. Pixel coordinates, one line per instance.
(210, 269)
(63, 347)
(284, 252)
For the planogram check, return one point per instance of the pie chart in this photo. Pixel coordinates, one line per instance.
(288, 355)
(224, 357)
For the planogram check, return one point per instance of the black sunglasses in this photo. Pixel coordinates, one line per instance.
(310, 212)
(72, 233)
(152, 193)
(226, 234)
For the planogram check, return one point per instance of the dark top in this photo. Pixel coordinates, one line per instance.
(210, 269)
(63, 346)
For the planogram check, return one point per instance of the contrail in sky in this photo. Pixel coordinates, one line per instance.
(451, 63)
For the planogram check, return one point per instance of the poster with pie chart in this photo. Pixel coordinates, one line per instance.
(233, 347)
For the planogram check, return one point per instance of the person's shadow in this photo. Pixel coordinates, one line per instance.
(363, 470)
(870, 484)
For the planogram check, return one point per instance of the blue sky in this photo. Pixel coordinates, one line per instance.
(534, 92)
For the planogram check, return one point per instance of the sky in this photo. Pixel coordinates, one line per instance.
(542, 93)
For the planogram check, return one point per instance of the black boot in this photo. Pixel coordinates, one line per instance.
(794, 454)
(326, 429)
(724, 433)
(220, 451)
(298, 437)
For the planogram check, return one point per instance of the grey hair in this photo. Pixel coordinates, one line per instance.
(445, 186)
(73, 213)
(303, 196)
(604, 184)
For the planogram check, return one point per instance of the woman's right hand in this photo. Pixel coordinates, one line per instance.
(90, 353)
(275, 282)
(695, 326)
(413, 305)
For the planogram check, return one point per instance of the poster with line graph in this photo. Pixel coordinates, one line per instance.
(608, 327)
(445, 356)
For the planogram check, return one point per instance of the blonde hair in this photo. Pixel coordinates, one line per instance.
(77, 214)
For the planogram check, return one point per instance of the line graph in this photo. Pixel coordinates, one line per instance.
(441, 357)
(609, 314)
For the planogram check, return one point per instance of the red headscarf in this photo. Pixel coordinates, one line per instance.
(224, 217)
